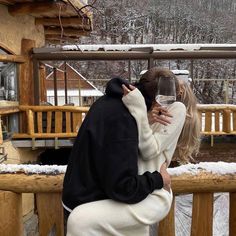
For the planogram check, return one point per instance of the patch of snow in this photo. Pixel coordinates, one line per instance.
(220, 168)
(156, 47)
(32, 169)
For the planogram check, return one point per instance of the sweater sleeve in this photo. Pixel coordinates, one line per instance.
(119, 175)
(154, 141)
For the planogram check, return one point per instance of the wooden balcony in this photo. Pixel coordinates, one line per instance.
(47, 190)
(54, 124)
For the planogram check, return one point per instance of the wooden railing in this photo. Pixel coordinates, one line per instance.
(47, 189)
(52, 121)
(217, 119)
(45, 122)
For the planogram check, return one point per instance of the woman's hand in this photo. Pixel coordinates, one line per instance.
(126, 90)
(159, 114)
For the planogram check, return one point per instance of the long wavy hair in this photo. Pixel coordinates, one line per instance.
(189, 139)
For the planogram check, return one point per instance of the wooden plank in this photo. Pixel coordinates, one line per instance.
(167, 225)
(11, 222)
(226, 121)
(12, 58)
(208, 121)
(1, 137)
(232, 214)
(217, 121)
(8, 110)
(49, 121)
(44, 135)
(76, 22)
(66, 31)
(55, 108)
(234, 121)
(42, 78)
(50, 214)
(58, 122)
(40, 122)
(77, 121)
(30, 117)
(202, 214)
(36, 8)
(200, 118)
(68, 122)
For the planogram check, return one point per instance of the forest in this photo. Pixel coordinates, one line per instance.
(166, 22)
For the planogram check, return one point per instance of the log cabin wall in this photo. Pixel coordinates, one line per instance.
(14, 29)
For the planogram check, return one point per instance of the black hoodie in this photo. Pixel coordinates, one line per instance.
(103, 160)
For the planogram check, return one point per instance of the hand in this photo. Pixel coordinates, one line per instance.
(166, 177)
(159, 114)
(126, 90)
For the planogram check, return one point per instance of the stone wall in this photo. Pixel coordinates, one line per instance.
(13, 29)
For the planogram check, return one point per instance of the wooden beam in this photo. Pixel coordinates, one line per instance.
(12, 58)
(36, 8)
(65, 22)
(9, 110)
(117, 55)
(65, 32)
(204, 182)
(58, 37)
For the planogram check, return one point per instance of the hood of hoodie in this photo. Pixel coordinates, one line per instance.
(114, 89)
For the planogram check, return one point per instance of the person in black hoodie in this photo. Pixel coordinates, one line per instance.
(104, 157)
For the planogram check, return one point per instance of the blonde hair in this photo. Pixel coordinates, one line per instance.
(189, 139)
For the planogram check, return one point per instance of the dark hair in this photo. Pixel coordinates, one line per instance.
(148, 83)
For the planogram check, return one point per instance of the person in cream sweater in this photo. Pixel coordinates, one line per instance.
(156, 146)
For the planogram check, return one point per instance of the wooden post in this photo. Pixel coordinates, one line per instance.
(80, 97)
(226, 121)
(202, 214)
(1, 137)
(26, 74)
(26, 88)
(50, 214)
(208, 121)
(42, 78)
(232, 214)
(11, 222)
(65, 78)
(55, 86)
(167, 225)
(234, 121)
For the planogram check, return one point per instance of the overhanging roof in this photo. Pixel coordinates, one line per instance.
(63, 20)
(137, 52)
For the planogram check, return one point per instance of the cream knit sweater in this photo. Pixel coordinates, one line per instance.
(156, 143)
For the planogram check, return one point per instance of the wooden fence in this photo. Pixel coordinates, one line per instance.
(52, 121)
(45, 122)
(217, 119)
(47, 189)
